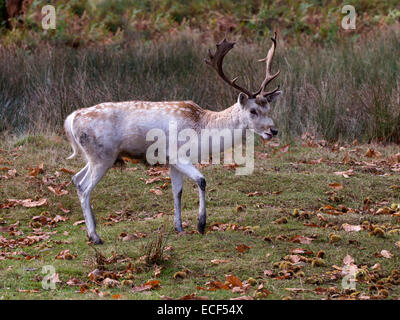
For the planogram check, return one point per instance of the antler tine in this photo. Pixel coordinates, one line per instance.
(268, 76)
(216, 60)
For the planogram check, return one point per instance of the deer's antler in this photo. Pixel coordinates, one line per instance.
(215, 61)
(268, 76)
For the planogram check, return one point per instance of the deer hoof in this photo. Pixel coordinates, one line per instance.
(201, 227)
(96, 239)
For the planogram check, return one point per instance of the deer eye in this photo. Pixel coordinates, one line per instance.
(253, 111)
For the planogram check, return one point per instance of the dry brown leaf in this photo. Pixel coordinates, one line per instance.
(386, 254)
(58, 190)
(193, 296)
(152, 180)
(110, 283)
(242, 298)
(294, 258)
(336, 186)
(65, 255)
(33, 172)
(218, 261)
(180, 275)
(141, 288)
(28, 203)
(233, 280)
(372, 153)
(285, 148)
(268, 273)
(28, 291)
(345, 174)
(349, 228)
(242, 248)
(65, 170)
(157, 192)
(255, 193)
(157, 270)
(301, 239)
(376, 267)
(59, 206)
(75, 282)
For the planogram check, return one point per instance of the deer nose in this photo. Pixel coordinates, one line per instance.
(274, 131)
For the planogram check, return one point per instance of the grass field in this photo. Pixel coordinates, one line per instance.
(282, 232)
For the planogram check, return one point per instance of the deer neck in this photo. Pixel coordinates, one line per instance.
(229, 118)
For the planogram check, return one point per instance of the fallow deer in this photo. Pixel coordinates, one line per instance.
(105, 132)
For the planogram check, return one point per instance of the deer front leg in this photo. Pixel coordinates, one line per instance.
(192, 173)
(177, 185)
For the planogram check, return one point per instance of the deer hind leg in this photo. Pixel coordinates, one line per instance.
(192, 173)
(177, 184)
(77, 178)
(91, 176)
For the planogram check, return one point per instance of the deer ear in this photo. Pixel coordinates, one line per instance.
(242, 99)
(273, 96)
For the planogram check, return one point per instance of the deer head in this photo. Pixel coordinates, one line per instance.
(254, 106)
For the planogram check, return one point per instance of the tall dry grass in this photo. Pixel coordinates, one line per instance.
(339, 92)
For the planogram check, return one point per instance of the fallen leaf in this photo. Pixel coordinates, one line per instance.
(372, 153)
(180, 275)
(214, 285)
(157, 192)
(376, 267)
(157, 270)
(349, 228)
(336, 186)
(28, 291)
(76, 223)
(33, 172)
(268, 273)
(345, 174)
(27, 203)
(65, 255)
(294, 258)
(110, 283)
(152, 180)
(58, 190)
(285, 148)
(386, 254)
(218, 261)
(297, 290)
(193, 296)
(65, 170)
(301, 239)
(233, 280)
(59, 206)
(255, 193)
(242, 248)
(242, 298)
(75, 282)
(153, 283)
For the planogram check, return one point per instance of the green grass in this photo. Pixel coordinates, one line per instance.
(286, 181)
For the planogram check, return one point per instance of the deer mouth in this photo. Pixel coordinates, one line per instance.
(266, 136)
